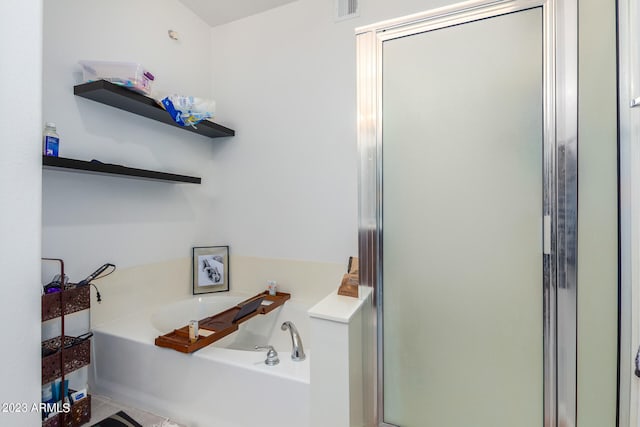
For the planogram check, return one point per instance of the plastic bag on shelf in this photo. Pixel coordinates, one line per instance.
(188, 110)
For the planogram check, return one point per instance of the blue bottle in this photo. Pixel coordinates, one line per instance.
(51, 140)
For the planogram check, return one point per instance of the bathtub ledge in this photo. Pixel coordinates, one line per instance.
(339, 308)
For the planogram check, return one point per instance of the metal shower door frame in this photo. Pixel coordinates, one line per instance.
(629, 234)
(559, 205)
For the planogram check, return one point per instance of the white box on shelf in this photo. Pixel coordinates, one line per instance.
(128, 74)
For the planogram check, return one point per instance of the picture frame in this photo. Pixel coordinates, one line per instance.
(210, 266)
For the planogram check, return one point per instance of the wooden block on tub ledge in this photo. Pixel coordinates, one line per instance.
(351, 281)
(349, 286)
(219, 325)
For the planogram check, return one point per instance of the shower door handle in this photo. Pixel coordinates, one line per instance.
(637, 363)
(635, 102)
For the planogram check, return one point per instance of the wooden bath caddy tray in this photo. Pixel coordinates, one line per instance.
(220, 325)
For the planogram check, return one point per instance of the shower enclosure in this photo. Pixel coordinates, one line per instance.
(467, 136)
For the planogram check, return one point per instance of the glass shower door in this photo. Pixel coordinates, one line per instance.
(462, 223)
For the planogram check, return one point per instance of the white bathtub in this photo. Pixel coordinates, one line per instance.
(225, 384)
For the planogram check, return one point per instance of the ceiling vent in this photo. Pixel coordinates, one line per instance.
(347, 9)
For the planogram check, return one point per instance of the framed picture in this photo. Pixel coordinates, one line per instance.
(210, 269)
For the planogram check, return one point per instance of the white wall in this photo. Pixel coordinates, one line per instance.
(20, 133)
(285, 79)
(87, 219)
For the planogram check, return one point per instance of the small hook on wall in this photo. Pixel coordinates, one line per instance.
(173, 35)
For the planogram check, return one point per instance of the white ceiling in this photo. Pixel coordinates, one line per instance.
(217, 12)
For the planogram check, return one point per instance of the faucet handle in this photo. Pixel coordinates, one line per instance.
(272, 355)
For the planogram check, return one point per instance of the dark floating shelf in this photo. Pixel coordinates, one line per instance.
(116, 96)
(109, 169)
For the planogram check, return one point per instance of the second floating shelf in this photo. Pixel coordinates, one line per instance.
(110, 169)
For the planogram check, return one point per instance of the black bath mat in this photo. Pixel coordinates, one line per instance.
(118, 420)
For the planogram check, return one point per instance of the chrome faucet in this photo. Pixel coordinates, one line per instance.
(297, 353)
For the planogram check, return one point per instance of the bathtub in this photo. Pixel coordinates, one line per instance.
(226, 384)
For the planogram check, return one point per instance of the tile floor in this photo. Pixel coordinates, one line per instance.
(103, 407)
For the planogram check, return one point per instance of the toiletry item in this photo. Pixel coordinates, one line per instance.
(57, 284)
(51, 140)
(193, 331)
(47, 395)
(271, 287)
(78, 395)
(55, 390)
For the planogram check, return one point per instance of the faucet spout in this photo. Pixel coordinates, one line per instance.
(297, 353)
